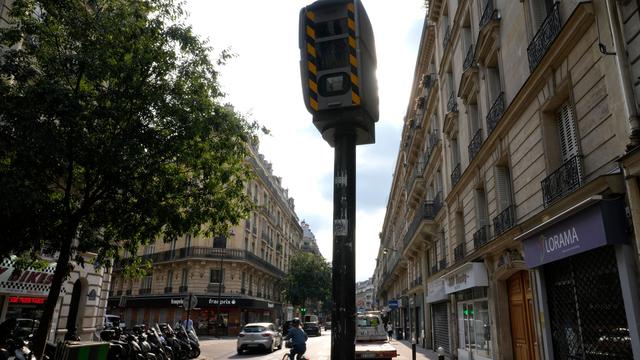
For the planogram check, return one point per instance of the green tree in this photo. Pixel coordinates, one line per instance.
(308, 279)
(112, 133)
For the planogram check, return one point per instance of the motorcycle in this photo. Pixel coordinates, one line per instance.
(190, 337)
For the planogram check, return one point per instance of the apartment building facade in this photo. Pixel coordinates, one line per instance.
(236, 279)
(509, 226)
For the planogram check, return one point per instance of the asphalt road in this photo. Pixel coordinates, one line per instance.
(318, 348)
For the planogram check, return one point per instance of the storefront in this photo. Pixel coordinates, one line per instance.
(582, 264)
(234, 311)
(439, 307)
(469, 283)
(23, 292)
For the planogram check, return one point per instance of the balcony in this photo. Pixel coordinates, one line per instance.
(421, 102)
(504, 221)
(443, 264)
(545, 36)
(468, 59)
(563, 181)
(144, 291)
(427, 81)
(446, 38)
(452, 103)
(475, 144)
(183, 289)
(459, 253)
(495, 113)
(481, 236)
(427, 211)
(434, 269)
(168, 290)
(487, 13)
(455, 175)
(209, 253)
(215, 288)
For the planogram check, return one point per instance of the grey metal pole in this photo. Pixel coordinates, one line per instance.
(343, 327)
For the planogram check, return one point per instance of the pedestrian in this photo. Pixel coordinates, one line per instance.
(389, 329)
(188, 324)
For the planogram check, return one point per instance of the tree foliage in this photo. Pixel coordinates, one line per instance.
(308, 279)
(112, 133)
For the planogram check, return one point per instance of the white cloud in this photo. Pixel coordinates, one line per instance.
(264, 81)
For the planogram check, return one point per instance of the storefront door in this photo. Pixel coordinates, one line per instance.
(586, 310)
(440, 318)
(474, 329)
(523, 335)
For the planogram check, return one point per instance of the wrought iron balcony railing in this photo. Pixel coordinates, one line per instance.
(504, 221)
(415, 174)
(434, 269)
(443, 264)
(481, 236)
(487, 13)
(495, 113)
(168, 290)
(144, 291)
(469, 59)
(183, 289)
(446, 38)
(545, 36)
(563, 181)
(428, 210)
(475, 144)
(428, 80)
(421, 101)
(455, 175)
(452, 103)
(458, 252)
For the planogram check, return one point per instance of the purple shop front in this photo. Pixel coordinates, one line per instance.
(598, 225)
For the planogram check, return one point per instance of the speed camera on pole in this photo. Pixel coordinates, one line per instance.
(338, 64)
(338, 67)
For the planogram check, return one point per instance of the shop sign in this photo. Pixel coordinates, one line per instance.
(470, 275)
(589, 229)
(270, 305)
(178, 302)
(26, 300)
(393, 304)
(435, 291)
(213, 301)
(28, 281)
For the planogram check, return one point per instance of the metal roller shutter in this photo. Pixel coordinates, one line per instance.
(440, 326)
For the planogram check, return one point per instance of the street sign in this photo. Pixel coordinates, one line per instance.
(190, 302)
(393, 304)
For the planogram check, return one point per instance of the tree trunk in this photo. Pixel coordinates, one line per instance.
(40, 338)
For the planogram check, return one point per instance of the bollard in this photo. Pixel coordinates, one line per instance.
(440, 353)
(413, 351)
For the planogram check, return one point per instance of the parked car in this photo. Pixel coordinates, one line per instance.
(259, 336)
(327, 325)
(113, 321)
(311, 325)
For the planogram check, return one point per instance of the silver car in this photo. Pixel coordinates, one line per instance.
(259, 336)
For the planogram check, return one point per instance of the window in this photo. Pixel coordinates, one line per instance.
(220, 242)
(149, 249)
(146, 281)
(482, 211)
(169, 278)
(503, 187)
(216, 276)
(538, 11)
(185, 277)
(474, 118)
(567, 131)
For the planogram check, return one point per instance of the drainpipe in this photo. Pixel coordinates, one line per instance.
(624, 75)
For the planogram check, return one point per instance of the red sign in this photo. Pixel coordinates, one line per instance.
(26, 300)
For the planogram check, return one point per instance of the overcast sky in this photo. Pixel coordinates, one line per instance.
(263, 81)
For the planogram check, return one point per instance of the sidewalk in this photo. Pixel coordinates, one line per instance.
(404, 351)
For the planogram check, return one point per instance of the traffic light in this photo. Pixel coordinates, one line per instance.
(337, 67)
(303, 311)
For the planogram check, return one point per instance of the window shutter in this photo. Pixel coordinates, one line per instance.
(567, 132)
(481, 208)
(503, 187)
(538, 13)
